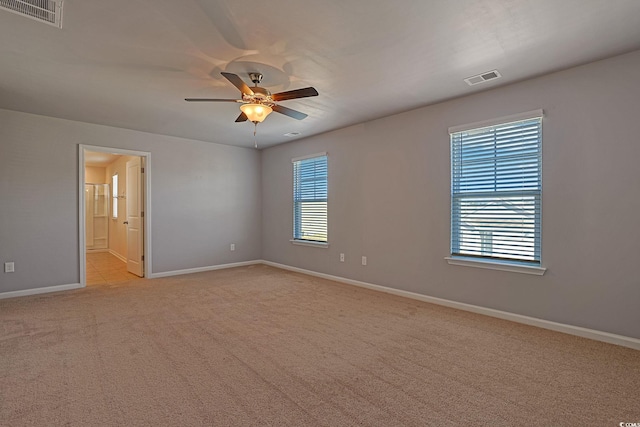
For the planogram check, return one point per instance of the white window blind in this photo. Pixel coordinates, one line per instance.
(496, 189)
(310, 199)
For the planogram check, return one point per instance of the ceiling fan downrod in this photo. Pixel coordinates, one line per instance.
(256, 78)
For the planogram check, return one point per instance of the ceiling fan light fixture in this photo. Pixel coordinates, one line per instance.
(256, 112)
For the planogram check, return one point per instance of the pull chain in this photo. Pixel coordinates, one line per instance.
(255, 140)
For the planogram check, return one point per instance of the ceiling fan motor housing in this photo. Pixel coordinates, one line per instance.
(260, 96)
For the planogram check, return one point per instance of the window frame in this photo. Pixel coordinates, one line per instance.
(496, 263)
(297, 239)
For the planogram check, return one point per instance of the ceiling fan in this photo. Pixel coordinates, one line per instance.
(257, 102)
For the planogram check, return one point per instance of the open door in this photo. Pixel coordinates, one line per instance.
(135, 217)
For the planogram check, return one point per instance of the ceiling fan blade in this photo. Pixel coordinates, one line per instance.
(293, 94)
(289, 112)
(237, 82)
(242, 118)
(211, 100)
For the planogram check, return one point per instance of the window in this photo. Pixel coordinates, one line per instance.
(310, 198)
(496, 189)
(114, 196)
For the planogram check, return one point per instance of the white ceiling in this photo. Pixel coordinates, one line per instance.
(131, 63)
(94, 158)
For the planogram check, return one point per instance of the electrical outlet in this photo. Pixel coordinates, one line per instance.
(232, 247)
(9, 267)
(364, 260)
(341, 257)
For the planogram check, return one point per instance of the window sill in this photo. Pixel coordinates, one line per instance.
(309, 243)
(513, 267)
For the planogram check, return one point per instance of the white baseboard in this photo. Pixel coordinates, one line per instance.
(37, 291)
(533, 321)
(58, 288)
(117, 255)
(201, 269)
(518, 318)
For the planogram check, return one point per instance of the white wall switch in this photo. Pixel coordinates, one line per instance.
(341, 257)
(364, 260)
(9, 267)
(232, 247)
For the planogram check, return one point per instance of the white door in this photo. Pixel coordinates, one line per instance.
(135, 217)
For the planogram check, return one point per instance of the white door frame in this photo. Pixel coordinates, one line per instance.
(82, 244)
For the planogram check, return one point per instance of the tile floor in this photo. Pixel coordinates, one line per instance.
(104, 268)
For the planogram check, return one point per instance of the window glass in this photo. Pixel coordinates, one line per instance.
(114, 193)
(310, 199)
(496, 190)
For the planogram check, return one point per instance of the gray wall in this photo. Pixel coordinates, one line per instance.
(389, 199)
(389, 183)
(204, 197)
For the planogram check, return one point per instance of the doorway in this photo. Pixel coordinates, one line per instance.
(114, 215)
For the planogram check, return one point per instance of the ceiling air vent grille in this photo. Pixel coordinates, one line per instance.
(484, 77)
(48, 11)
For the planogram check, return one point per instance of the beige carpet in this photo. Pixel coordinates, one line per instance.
(258, 346)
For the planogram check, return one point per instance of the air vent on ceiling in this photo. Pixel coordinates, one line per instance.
(292, 134)
(47, 11)
(484, 77)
